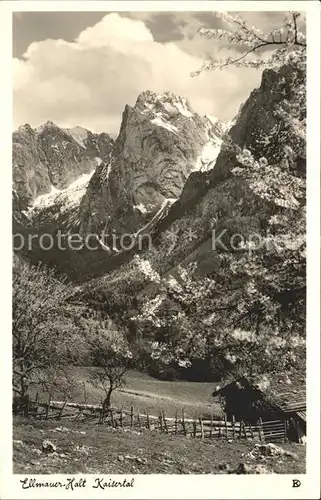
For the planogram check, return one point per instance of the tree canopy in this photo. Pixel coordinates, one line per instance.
(270, 49)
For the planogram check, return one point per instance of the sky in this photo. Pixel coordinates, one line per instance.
(82, 68)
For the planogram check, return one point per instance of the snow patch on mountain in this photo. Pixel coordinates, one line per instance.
(207, 158)
(168, 102)
(209, 154)
(216, 131)
(212, 119)
(68, 197)
(47, 199)
(176, 104)
(182, 108)
(141, 207)
(159, 120)
(98, 161)
(80, 182)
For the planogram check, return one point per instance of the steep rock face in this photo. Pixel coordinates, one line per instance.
(269, 122)
(50, 157)
(271, 127)
(29, 174)
(161, 141)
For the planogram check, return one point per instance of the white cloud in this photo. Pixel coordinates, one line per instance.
(114, 28)
(88, 82)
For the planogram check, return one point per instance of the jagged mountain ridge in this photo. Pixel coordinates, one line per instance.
(217, 197)
(161, 141)
(50, 158)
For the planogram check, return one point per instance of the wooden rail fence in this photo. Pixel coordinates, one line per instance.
(179, 425)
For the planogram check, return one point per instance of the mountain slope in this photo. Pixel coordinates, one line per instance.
(270, 125)
(239, 230)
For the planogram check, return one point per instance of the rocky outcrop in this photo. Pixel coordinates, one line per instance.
(271, 123)
(161, 141)
(271, 126)
(49, 158)
(29, 172)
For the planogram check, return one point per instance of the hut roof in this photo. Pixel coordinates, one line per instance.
(239, 382)
(286, 391)
(302, 415)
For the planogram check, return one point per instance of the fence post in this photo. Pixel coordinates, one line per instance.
(261, 434)
(202, 428)
(225, 421)
(147, 421)
(233, 425)
(183, 422)
(139, 422)
(194, 428)
(240, 434)
(48, 406)
(61, 409)
(165, 423)
(211, 427)
(111, 417)
(176, 422)
(244, 430)
(131, 416)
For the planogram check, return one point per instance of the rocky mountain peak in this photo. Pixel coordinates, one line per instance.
(26, 128)
(48, 126)
(166, 103)
(161, 141)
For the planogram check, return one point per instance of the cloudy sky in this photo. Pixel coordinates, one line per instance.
(82, 68)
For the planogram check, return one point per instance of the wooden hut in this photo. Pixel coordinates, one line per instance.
(278, 399)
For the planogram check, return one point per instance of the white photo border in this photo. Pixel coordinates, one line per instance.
(158, 486)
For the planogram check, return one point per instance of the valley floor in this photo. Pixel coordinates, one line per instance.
(97, 449)
(148, 394)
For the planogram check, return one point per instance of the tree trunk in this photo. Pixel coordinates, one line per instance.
(106, 402)
(23, 405)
